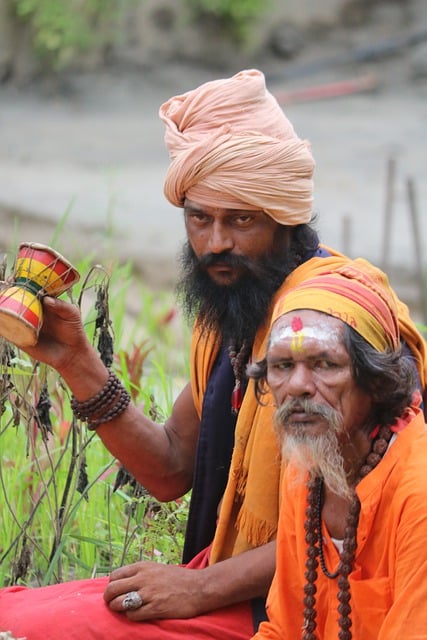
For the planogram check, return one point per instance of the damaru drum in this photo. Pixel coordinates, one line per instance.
(39, 270)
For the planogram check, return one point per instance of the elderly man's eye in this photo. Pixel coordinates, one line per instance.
(326, 364)
(281, 365)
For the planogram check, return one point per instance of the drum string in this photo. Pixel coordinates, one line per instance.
(38, 289)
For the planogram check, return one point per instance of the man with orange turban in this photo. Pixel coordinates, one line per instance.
(351, 552)
(245, 182)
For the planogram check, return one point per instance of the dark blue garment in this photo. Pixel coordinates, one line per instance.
(214, 449)
(320, 252)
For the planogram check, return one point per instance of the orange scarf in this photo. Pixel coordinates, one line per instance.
(249, 511)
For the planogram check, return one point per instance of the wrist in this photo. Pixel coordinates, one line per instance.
(105, 405)
(84, 373)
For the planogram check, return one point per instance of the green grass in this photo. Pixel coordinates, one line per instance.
(62, 517)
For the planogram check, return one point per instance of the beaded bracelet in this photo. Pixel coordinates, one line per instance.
(104, 406)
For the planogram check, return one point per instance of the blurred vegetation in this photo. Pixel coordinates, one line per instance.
(233, 17)
(61, 30)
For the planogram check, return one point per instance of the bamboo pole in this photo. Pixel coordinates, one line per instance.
(419, 273)
(388, 211)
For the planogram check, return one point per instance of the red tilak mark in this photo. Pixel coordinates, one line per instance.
(296, 324)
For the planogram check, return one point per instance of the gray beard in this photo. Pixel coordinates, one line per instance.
(314, 454)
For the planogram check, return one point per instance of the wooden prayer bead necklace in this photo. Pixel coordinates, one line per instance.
(315, 555)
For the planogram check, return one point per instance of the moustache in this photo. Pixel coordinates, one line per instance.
(304, 405)
(224, 258)
(247, 266)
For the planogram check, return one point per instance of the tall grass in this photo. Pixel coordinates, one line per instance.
(68, 510)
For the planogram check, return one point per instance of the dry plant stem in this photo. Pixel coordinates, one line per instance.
(25, 526)
(65, 495)
(44, 495)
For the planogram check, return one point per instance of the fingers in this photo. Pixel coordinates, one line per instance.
(128, 571)
(123, 596)
(61, 308)
(61, 336)
(128, 601)
(125, 592)
(122, 581)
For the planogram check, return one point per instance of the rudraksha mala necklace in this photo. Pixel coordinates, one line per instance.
(315, 557)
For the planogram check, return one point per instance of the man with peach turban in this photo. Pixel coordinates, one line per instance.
(231, 145)
(351, 552)
(245, 182)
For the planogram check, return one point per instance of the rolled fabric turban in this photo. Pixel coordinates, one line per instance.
(354, 291)
(232, 146)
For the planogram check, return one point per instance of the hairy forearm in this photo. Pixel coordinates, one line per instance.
(145, 449)
(151, 452)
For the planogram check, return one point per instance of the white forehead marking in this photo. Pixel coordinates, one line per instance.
(320, 333)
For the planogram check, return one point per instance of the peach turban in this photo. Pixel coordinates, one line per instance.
(231, 145)
(355, 291)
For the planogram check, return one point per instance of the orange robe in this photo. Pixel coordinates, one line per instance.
(250, 506)
(388, 583)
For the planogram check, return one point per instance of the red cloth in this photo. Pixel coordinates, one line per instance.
(76, 611)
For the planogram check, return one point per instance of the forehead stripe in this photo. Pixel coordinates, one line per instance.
(351, 301)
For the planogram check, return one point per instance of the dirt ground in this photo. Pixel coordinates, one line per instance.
(86, 154)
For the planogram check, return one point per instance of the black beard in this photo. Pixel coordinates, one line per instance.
(234, 312)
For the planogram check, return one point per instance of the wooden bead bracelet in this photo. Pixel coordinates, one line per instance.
(104, 406)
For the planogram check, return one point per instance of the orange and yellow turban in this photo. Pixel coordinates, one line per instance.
(231, 145)
(355, 291)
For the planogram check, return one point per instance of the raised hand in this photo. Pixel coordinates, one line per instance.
(62, 335)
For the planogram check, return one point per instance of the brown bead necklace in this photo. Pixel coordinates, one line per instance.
(315, 555)
(328, 574)
(238, 359)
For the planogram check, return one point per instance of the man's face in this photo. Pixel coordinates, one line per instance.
(222, 234)
(232, 265)
(307, 359)
(321, 411)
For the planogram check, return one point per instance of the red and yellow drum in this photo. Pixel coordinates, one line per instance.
(38, 271)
